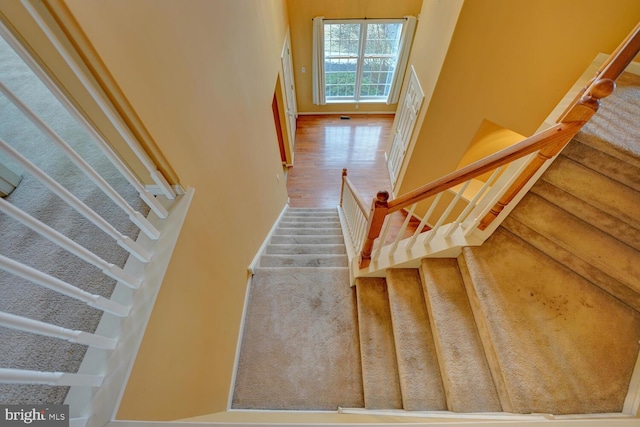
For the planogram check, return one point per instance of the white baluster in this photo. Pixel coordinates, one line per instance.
(106, 108)
(64, 242)
(405, 224)
(463, 215)
(446, 213)
(117, 162)
(21, 376)
(55, 284)
(425, 218)
(41, 328)
(135, 217)
(128, 244)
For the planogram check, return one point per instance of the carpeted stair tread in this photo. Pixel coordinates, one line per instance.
(597, 143)
(569, 260)
(583, 240)
(296, 260)
(306, 249)
(306, 240)
(603, 221)
(309, 213)
(418, 369)
(308, 231)
(377, 349)
(617, 120)
(465, 371)
(604, 193)
(300, 346)
(312, 219)
(607, 165)
(285, 224)
(552, 330)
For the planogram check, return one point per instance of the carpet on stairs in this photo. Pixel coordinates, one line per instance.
(300, 348)
(418, 370)
(465, 371)
(563, 346)
(377, 346)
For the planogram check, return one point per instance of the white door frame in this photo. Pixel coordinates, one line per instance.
(291, 108)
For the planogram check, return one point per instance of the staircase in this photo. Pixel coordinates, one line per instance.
(542, 318)
(306, 238)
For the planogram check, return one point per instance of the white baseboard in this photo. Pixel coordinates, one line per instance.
(256, 258)
(343, 113)
(251, 271)
(156, 191)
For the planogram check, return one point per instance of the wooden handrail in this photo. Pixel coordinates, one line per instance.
(621, 57)
(547, 143)
(356, 195)
(612, 67)
(530, 145)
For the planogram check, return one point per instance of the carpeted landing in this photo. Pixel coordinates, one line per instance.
(300, 341)
(542, 318)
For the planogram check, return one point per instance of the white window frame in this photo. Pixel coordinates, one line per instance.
(357, 98)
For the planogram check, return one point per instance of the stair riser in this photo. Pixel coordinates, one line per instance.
(307, 240)
(311, 261)
(605, 164)
(580, 239)
(603, 193)
(306, 249)
(577, 265)
(302, 214)
(308, 231)
(311, 225)
(311, 219)
(599, 219)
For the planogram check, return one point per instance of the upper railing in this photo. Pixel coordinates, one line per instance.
(463, 205)
(87, 216)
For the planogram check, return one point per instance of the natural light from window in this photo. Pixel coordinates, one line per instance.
(360, 58)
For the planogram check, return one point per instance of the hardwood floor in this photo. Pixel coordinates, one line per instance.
(325, 144)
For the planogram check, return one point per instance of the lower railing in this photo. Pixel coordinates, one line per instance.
(124, 306)
(464, 207)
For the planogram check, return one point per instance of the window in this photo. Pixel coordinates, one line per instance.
(360, 59)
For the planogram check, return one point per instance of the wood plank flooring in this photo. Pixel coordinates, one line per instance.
(325, 144)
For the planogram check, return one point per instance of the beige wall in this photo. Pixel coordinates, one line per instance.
(301, 13)
(510, 62)
(201, 76)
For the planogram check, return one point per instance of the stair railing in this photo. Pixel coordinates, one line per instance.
(132, 285)
(513, 171)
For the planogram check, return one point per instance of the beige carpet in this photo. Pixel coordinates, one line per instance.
(300, 340)
(617, 119)
(544, 317)
(563, 345)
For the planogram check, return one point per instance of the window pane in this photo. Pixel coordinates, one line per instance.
(343, 59)
(376, 77)
(340, 77)
(382, 39)
(341, 39)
